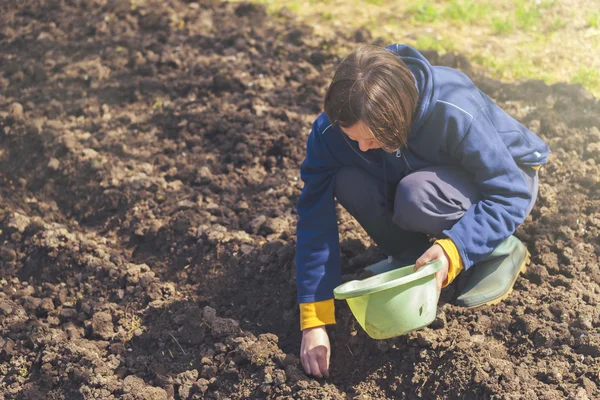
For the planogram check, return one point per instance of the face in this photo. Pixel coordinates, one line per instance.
(361, 134)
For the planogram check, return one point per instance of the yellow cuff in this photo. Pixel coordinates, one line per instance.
(317, 314)
(455, 262)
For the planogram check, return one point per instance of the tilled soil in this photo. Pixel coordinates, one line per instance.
(149, 167)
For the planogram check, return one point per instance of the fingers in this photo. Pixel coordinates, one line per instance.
(323, 361)
(440, 278)
(439, 281)
(316, 362)
(314, 367)
(305, 364)
(420, 262)
(424, 259)
(315, 352)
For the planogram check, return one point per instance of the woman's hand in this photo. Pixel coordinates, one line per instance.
(315, 351)
(435, 252)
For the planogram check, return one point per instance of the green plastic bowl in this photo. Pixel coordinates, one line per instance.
(395, 302)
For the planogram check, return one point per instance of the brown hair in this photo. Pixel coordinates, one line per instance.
(374, 86)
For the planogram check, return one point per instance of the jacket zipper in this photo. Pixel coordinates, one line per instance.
(399, 155)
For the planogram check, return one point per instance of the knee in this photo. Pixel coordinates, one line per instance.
(412, 203)
(356, 191)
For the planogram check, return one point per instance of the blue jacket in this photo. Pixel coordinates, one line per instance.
(455, 123)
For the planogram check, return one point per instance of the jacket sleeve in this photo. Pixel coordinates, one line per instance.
(318, 269)
(504, 193)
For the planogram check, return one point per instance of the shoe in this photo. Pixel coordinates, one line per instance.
(493, 278)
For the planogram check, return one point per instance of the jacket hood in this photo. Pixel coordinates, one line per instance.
(424, 79)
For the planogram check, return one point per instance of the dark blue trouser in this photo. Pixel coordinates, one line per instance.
(424, 203)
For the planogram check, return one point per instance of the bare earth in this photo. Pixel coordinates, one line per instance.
(149, 161)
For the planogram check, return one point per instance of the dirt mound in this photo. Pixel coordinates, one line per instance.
(148, 176)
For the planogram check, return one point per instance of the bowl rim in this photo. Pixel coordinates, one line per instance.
(430, 268)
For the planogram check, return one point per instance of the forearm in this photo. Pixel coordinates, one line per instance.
(317, 314)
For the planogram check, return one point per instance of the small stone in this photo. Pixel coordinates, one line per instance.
(133, 384)
(117, 348)
(283, 360)
(555, 376)
(303, 385)
(7, 254)
(18, 222)
(220, 326)
(54, 164)
(102, 325)
(5, 309)
(593, 150)
(86, 307)
(247, 249)
(209, 313)
(294, 374)
(268, 379)
(138, 332)
(72, 331)
(8, 348)
(26, 290)
(45, 36)
(580, 394)
(31, 304)
(202, 385)
(256, 223)
(478, 338)
(185, 391)
(204, 173)
(46, 305)
(279, 377)
(589, 386)
(168, 289)
(424, 339)
(68, 313)
(220, 347)
(585, 322)
(16, 111)
(275, 225)
(209, 371)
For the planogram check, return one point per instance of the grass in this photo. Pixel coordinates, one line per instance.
(546, 4)
(557, 24)
(587, 77)
(423, 12)
(502, 25)
(594, 19)
(527, 16)
(512, 39)
(442, 45)
(466, 10)
(327, 16)
(510, 69)
(131, 324)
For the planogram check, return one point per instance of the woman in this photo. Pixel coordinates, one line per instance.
(412, 151)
